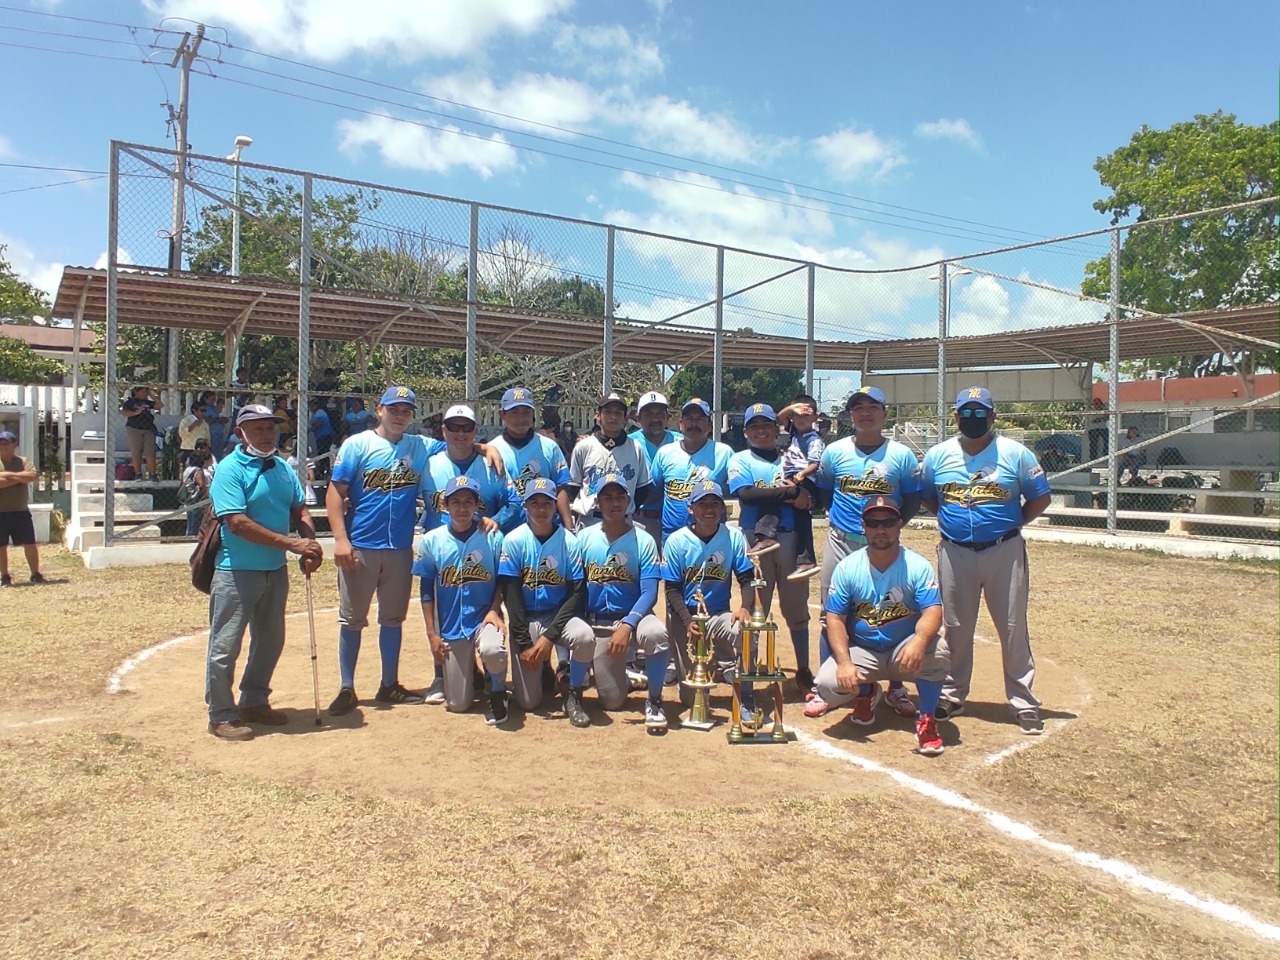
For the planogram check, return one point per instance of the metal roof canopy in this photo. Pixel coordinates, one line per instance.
(216, 303)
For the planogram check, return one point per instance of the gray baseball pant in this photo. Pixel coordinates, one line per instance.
(1001, 575)
(526, 682)
(793, 595)
(881, 665)
(459, 665)
(726, 646)
(389, 573)
(612, 686)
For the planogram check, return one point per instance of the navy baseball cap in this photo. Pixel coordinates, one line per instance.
(398, 395)
(461, 482)
(881, 503)
(541, 487)
(517, 397)
(705, 488)
(978, 395)
(874, 394)
(7, 435)
(613, 480)
(697, 402)
(759, 411)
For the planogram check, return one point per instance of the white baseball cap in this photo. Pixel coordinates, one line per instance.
(653, 396)
(460, 410)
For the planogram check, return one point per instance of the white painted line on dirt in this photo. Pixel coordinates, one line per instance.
(34, 723)
(142, 656)
(1051, 727)
(1124, 872)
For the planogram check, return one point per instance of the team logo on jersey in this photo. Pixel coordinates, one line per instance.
(592, 476)
(872, 483)
(472, 569)
(890, 609)
(613, 570)
(531, 471)
(713, 569)
(977, 490)
(545, 574)
(682, 489)
(399, 477)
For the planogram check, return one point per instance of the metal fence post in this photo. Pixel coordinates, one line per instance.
(607, 380)
(811, 270)
(717, 370)
(1113, 426)
(110, 399)
(302, 441)
(944, 307)
(473, 266)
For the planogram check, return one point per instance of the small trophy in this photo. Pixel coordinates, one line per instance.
(759, 664)
(700, 681)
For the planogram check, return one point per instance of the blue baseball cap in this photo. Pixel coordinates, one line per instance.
(541, 487)
(613, 480)
(518, 397)
(757, 411)
(461, 482)
(7, 436)
(398, 395)
(705, 488)
(874, 394)
(697, 402)
(978, 395)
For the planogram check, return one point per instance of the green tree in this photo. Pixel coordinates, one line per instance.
(740, 386)
(20, 364)
(19, 300)
(1193, 263)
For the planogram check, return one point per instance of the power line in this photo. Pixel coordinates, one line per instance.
(65, 16)
(70, 53)
(56, 183)
(41, 166)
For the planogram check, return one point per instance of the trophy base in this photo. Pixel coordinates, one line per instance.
(760, 738)
(702, 725)
(692, 685)
(760, 677)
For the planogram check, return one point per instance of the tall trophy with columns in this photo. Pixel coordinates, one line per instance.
(758, 664)
(700, 677)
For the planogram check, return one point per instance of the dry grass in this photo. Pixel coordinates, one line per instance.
(117, 847)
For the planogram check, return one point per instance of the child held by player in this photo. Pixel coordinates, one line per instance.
(799, 464)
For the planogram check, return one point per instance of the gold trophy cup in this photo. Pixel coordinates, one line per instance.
(699, 681)
(758, 664)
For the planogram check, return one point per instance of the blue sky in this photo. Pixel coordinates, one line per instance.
(937, 130)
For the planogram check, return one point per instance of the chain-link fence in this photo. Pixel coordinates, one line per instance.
(325, 289)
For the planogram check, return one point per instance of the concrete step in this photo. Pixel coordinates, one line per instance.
(125, 502)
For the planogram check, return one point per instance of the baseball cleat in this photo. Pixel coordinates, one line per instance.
(1030, 723)
(497, 712)
(435, 694)
(574, 710)
(928, 741)
(397, 693)
(815, 706)
(947, 709)
(344, 702)
(654, 717)
(864, 708)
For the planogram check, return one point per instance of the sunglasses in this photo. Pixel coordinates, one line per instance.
(975, 413)
(882, 524)
(460, 427)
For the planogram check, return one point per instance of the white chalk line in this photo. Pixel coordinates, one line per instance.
(127, 666)
(34, 723)
(1124, 872)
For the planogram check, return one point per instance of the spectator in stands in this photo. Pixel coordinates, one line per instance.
(242, 388)
(1098, 429)
(289, 416)
(140, 411)
(16, 525)
(194, 486)
(357, 419)
(192, 428)
(217, 423)
(1129, 459)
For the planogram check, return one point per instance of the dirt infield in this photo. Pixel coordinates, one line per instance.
(410, 832)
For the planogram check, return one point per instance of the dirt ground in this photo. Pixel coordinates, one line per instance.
(410, 831)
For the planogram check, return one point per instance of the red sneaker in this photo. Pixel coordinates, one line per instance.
(864, 708)
(930, 744)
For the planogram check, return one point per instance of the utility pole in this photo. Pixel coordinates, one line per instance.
(820, 381)
(185, 55)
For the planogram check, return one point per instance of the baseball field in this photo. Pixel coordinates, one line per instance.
(1143, 824)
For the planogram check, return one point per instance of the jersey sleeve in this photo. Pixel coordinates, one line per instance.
(511, 557)
(673, 561)
(642, 466)
(559, 467)
(739, 473)
(825, 477)
(1031, 476)
(839, 599)
(738, 543)
(924, 583)
(723, 453)
(656, 469)
(927, 487)
(816, 450)
(424, 564)
(910, 471)
(573, 551)
(345, 470)
(575, 465)
(434, 445)
(650, 568)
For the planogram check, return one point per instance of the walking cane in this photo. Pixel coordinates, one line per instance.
(315, 670)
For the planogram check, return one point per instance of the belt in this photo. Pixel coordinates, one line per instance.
(853, 538)
(985, 544)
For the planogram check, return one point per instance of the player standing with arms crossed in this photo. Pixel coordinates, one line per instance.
(984, 489)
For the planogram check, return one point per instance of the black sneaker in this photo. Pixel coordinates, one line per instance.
(6, 581)
(497, 712)
(38, 577)
(947, 709)
(344, 702)
(1030, 723)
(804, 680)
(396, 693)
(573, 709)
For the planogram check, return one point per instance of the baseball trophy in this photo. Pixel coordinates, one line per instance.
(758, 664)
(699, 680)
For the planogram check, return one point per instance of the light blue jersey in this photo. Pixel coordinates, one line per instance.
(495, 492)
(383, 483)
(712, 565)
(674, 472)
(890, 470)
(748, 469)
(980, 497)
(540, 457)
(882, 609)
(651, 449)
(460, 576)
(614, 569)
(264, 490)
(547, 570)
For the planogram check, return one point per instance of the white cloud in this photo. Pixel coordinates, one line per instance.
(608, 50)
(434, 150)
(330, 30)
(122, 256)
(6, 148)
(536, 98)
(850, 154)
(679, 127)
(42, 274)
(957, 130)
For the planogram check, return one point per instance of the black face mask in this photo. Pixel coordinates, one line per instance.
(975, 427)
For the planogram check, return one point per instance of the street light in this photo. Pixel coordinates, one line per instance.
(242, 143)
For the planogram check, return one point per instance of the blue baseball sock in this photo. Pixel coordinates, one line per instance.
(864, 689)
(655, 671)
(578, 674)
(497, 682)
(348, 653)
(824, 648)
(930, 691)
(389, 640)
(800, 644)
(895, 684)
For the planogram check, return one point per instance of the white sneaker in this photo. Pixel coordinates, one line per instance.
(435, 695)
(635, 679)
(654, 718)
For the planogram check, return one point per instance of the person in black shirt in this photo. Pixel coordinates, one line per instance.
(140, 426)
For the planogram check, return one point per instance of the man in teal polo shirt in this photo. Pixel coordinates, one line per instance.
(257, 497)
